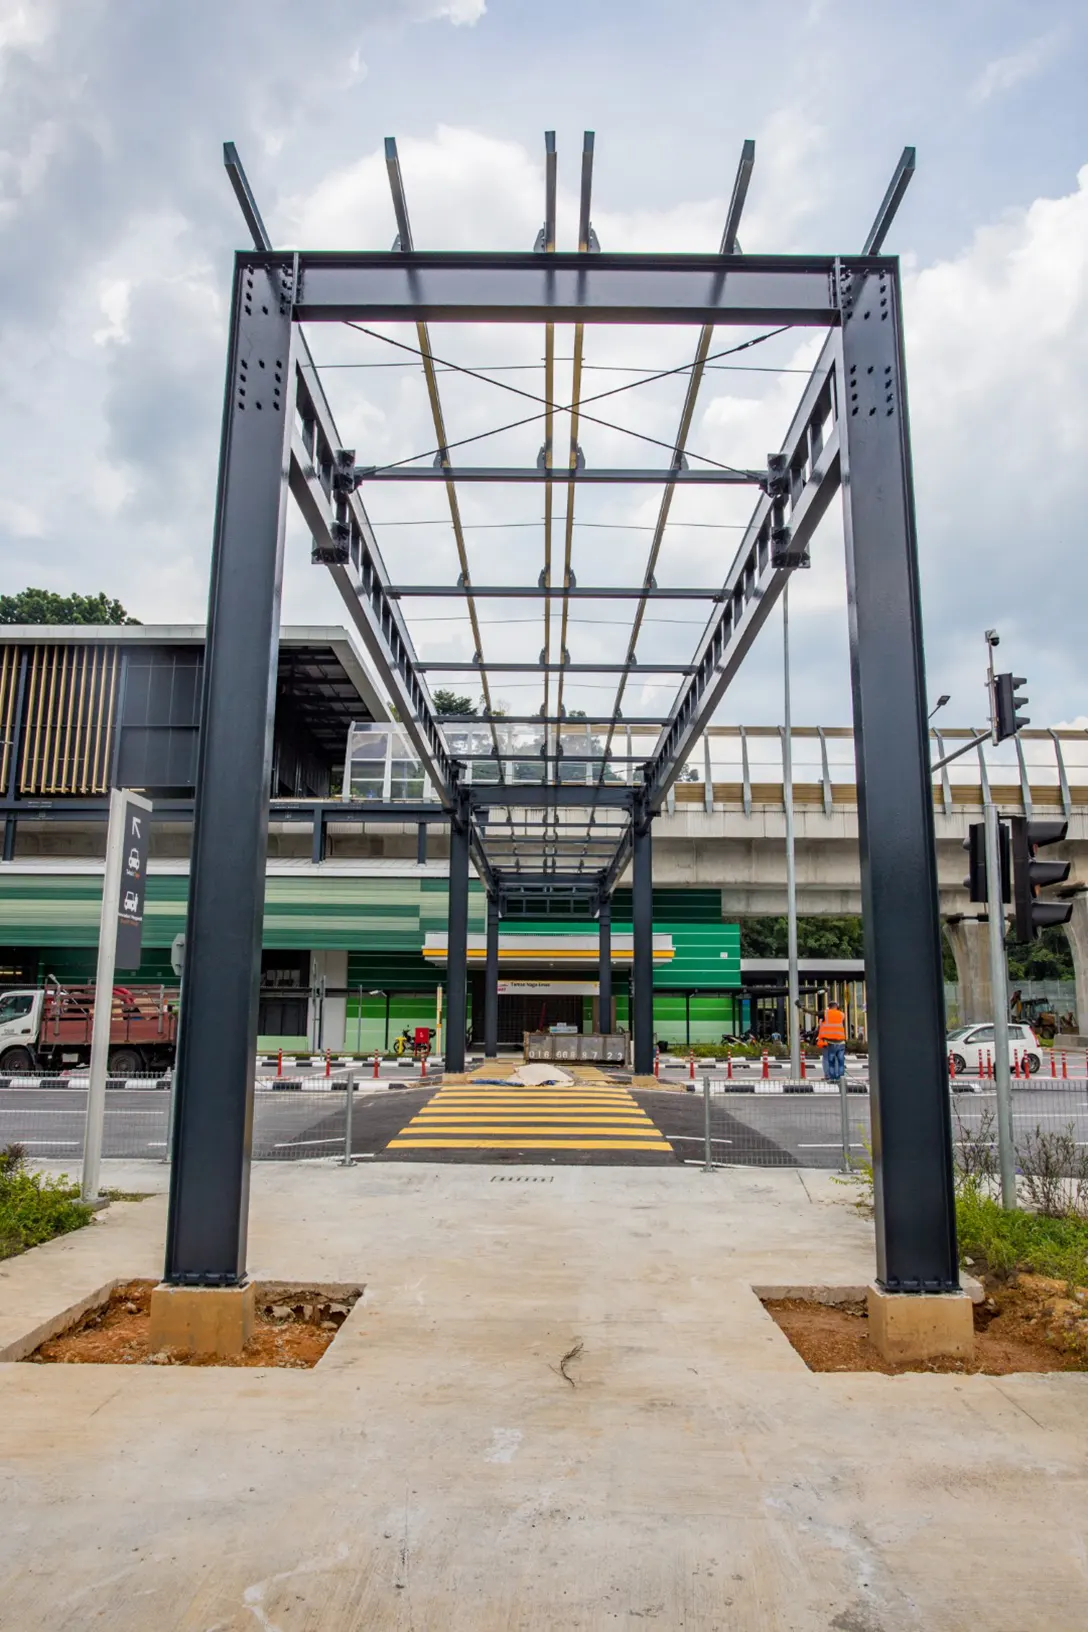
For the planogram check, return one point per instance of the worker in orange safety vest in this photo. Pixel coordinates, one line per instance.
(831, 1037)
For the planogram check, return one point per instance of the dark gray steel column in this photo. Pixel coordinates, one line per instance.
(911, 1132)
(491, 981)
(209, 1177)
(457, 943)
(642, 926)
(604, 935)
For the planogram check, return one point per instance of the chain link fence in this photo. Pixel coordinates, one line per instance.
(295, 1117)
(311, 1116)
(818, 1125)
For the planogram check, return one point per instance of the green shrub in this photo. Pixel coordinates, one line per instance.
(34, 1209)
(1002, 1241)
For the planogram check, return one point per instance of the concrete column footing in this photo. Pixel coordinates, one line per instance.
(905, 1326)
(202, 1319)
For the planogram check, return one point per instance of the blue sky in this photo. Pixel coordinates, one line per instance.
(118, 228)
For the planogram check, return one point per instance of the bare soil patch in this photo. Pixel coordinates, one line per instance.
(293, 1327)
(1027, 1323)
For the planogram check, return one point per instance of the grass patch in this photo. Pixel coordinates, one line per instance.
(1006, 1241)
(34, 1209)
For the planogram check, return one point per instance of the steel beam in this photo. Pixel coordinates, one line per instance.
(498, 667)
(553, 592)
(642, 931)
(604, 973)
(567, 287)
(346, 544)
(810, 457)
(457, 942)
(890, 203)
(511, 796)
(636, 722)
(586, 476)
(491, 981)
(209, 1176)
(908, 1069)
(343, 537)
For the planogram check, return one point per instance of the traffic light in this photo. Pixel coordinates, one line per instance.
(975, 845)
(1007, 722)
(1030, 876)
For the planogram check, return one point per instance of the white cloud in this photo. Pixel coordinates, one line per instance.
(459, 12)
(1004, 73)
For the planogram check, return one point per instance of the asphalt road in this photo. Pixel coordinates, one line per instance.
(794, 1130)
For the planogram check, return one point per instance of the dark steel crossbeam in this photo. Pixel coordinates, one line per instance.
(565, 287)
(361, 810)
(494, 797)
(443, 666)
(585, 476)
(553, 592)
(635, 722)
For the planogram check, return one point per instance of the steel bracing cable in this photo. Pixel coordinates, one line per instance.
(444, 365)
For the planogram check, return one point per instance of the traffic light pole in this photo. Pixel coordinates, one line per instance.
(999, 985)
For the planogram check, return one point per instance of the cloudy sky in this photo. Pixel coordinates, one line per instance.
(119, 226)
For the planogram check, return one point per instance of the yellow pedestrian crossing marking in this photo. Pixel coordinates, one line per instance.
(469, 1116)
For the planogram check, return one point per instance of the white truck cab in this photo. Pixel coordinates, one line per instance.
(20, 1024)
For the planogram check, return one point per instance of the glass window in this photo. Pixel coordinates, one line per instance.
(15, 1006)
(984, 1034)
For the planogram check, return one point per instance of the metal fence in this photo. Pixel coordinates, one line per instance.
(815, 1125)
(811, 1124)
(294, 1118)
(797, 1124)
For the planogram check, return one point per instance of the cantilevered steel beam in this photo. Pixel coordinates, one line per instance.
(889, 204)
(444, 287)
(687, 414)
(445, 474)
(354, 560)
(759, 572)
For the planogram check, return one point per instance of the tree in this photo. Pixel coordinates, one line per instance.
(43, 606)
(816, 938)
(448, 702)
(1048, 958)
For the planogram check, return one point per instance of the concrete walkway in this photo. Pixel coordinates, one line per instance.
(437, 1472)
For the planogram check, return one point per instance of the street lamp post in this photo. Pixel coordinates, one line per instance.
(791, 864)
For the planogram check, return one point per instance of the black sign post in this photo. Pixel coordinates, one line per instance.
(136, 820)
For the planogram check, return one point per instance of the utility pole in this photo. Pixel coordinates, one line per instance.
(999, 979)
(794, 1000)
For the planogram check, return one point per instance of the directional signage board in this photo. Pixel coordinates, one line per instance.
(130, 895)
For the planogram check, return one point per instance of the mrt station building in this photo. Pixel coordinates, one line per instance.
(355, 913)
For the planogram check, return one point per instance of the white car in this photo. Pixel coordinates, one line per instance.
(968, 1047)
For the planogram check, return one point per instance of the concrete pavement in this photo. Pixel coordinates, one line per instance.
(437, 1471)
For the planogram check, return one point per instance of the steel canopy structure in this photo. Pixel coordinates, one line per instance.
(550, 815)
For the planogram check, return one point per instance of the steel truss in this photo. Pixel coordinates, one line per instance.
(849, 430)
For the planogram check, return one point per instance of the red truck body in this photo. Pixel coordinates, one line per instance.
(58, 1025)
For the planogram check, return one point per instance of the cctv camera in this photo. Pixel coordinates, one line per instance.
(992, 637)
